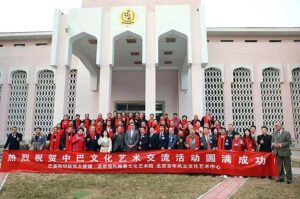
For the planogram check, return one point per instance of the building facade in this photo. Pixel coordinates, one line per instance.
(152, 56)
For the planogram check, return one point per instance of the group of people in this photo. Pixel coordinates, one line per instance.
(121, 132)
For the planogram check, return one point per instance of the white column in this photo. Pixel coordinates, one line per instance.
(4, 105)
(105, 89)
(61, 92)
(197, 72)
(256, 96)
(150, 71)
(30, 110)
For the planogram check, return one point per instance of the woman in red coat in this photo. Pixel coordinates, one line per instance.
(78, 140)
(249, 142)
(237, 143)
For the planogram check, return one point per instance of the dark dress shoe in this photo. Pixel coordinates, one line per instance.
(289, 182)
(280, 180)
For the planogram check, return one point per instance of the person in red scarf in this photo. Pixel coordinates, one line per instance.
(91, 140)
(66, 139)
(237, 143)
(167, 120)
(109, 129)
(109, 118)
(151, 121)
(184, 123)
(174, 127)
(65, 123)
(192, 141)
(99, 118)
(76, 122)
(224, 141)
(207, 120)
(87, 121)
(250, 144)
(128, 120)
(176, 120)
(144, 125)
(78, 141)
(54, 139)
(156, 126)
(198, 129)
(217, 125)
(99, 127)
(195, 120)
(117, 119)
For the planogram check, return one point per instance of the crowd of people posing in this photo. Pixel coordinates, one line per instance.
(121, 132)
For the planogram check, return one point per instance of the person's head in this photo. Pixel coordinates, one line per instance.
(109, 115)
(130, 115)
(215, 131)
(104, 133)
(166, 115)
(205, 130)
(152, 130)
(82, 125)
(264, 130)
(198, 124)
(195, 117)
(162, 128)
(143, 124)
(230, 127)
(142, 130)
(80, 131)
(77, 116)
(151, 116)
(208, 113)
(175, 115)
(171, 123)
(192, 132)
(38, 130)
(120, 122)
(278, 126)
(252, 129)
(222, 131)
(93, 129)
(162, 118)
(236, 136)
(123, 114)
(141, 116)
(180, 133)
(54, 129)
(93, 122)
(99, 123)
(99, 115)
(184, 117)
(108, 123)
(132, 126)
(115, 114)
(14, 129)
(163, 122)
(247, 133)
(66, 117)
(86, 116)
(171, 130)
(217, 123)
(70, 130)
(120, 129)
(58, 126)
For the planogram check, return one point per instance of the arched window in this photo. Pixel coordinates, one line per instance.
(44, 105)
(295, 92)
(72, 93)
(242, 104)
(214, 93)
(18, 102)
(271, 98)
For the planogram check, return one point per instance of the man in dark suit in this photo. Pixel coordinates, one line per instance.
(264, 140)
(205, 140)
(132, 138)
(13, 140)
(118, 140)
(153, 139)
(230, 131)
(163, 138)
(144, 142)
(172, 139)
(281, 145)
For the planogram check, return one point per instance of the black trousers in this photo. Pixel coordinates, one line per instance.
(284, 163)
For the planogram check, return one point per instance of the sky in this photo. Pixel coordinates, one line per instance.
(37, 15)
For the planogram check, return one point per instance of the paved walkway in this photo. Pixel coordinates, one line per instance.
(224, 189)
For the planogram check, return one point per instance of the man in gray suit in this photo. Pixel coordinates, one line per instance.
(132, 138)
(281, 148)
(38, 140)
(118, 140)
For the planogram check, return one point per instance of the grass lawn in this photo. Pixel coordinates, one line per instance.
(265, 188)
(30, 185)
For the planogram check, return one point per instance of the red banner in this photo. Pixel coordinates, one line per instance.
(161, 161)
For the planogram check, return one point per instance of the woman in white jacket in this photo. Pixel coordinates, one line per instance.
(105, 143)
